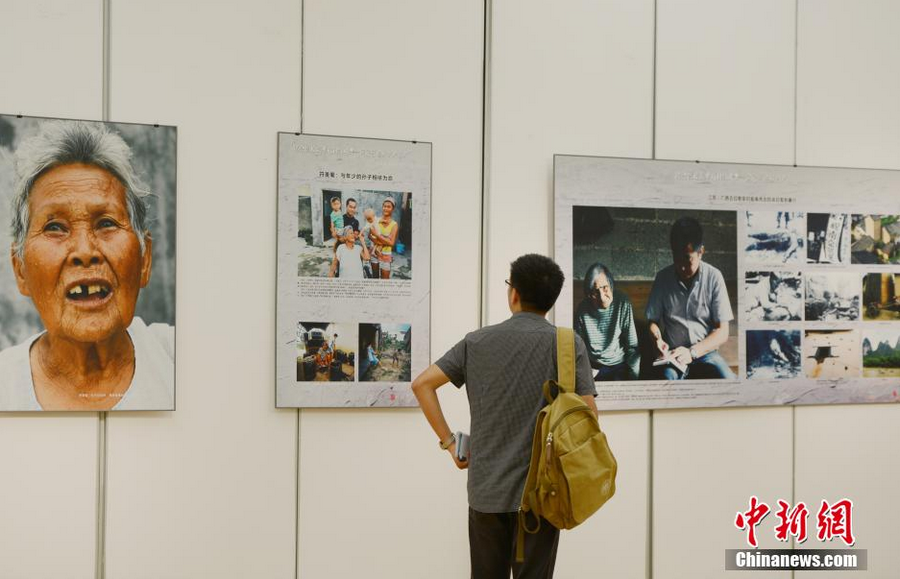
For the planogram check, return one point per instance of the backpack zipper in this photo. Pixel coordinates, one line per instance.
(585, 408)
(549, 449)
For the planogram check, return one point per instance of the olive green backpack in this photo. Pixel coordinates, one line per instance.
(573, 471)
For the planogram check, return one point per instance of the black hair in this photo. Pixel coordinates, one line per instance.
(592, 272)
(351, 200)
(686, 231)
(538, 280)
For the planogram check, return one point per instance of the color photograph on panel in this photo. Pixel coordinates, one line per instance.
(352, 214)
(325, 352)
(385, 350)
(356, 235)
(627, 253)
(881, 351)
(87, 295)
(712, 284)
(876, 239)
(881, 300)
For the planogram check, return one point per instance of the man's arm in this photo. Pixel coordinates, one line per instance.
(720, 307)
(656, 334)
(589, 400)
(713, 341)
(425, 389)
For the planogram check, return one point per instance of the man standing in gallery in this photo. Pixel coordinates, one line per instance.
(689, 309)
(504, 367)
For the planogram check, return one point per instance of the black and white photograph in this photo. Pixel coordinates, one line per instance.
(828, 238)
(881, 301)
(87, 287)
(326, 352)
(831, 354)
(384, 351)
(774, 237)
(355, 234)
(881, 351)
(832, 297)
(773, 354)
(876, 239)
(773, 296)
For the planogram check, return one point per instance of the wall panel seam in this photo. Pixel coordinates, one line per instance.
(486, 103)
(297, 437)
(102, 431)
(650, 415)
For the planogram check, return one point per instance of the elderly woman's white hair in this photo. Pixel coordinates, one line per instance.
(66, 142)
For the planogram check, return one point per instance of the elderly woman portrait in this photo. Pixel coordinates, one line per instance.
(82, 252)
(605, 321)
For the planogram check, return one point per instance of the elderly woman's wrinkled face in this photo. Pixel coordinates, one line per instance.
(601, 292)
(82, 264)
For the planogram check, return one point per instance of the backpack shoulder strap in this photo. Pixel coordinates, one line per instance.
(565, 359)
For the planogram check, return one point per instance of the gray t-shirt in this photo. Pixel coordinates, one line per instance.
(689, 313)
(504, 367)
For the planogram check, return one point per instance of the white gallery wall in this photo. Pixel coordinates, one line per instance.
(229, 487)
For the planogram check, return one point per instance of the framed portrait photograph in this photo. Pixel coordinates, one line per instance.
(87, 279)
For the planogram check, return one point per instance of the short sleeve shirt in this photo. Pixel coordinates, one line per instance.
(351, 222)
(504, 367)
(689, 312)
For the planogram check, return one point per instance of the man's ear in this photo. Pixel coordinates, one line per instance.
(19, 270)
(701, 251)
(146, 260)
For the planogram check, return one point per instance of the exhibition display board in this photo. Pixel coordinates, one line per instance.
(353, 303)
(701, 284)
(87, 290)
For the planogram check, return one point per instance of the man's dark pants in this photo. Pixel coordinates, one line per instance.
(492, 547)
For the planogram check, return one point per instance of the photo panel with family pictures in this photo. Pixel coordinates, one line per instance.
(352, 214)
